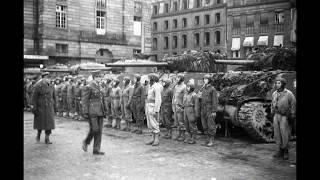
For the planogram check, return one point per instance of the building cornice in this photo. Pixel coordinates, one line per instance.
(221, 26)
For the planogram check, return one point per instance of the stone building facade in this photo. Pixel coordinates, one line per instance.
(259, 23)
(71, 31)
(182, 25)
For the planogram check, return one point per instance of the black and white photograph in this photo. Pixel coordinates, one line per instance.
(160, 90)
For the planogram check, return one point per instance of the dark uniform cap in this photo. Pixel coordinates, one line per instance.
(191, 84)
(153, 76)
(282, 80)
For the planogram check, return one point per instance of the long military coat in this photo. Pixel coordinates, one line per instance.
(92, 100)
(43, 101)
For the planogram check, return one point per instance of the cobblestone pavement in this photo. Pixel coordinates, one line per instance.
(128, 158)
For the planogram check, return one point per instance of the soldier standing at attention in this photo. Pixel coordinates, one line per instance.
(126, 99)
(70, 97)
(82, 90)
(56, 90)
(107, 101)
(190, 104)
(137, 104)
(43, 101)
(283, 107)
(115, 104)
(77, 99)
(166, 107)
(177, 106)
(209, 105)
(93, 108)
(153, 108)
(64, 89)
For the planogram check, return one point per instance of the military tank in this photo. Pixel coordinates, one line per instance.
(245, 93)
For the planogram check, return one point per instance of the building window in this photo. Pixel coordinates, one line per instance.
(236, 30)
(184, 22)
(198, 3)
(61, 16)
(166, 43)
(137, 7)
(174, 42)
(217, 18)
(217, 37)
(207, 19)
(218, 1)
(100, 19)
(62, 48)
(264, 23)
(155, 43)
(166, 25)
(136, 51)
(155, 26)
(175, 6)
(101, 4)
(184, 41)
(196, 20)
(155, 10)
(166, 7)
(185, 4)
(235, 54)
(137, 26)
(196, 40)
(207, 38)
(207, 2)
(175, 23)
(279, 17)
(250, 24)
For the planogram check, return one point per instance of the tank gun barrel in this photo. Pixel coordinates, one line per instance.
(234, 62)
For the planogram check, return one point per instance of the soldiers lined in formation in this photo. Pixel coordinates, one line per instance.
(176, 107)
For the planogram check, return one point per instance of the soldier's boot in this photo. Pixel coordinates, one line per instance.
(47, 140)
(192, 139)
(128, 128)
(151, 141)
(156, 139)
(169, 134)
(109, 123)
(38, 136)
(118, 124)
(114, 123)
(187, 138)
(279, 153)
(178, 136)
(139, 130)
(123, 125)
(206, 141)
(182, 137)
(286, 154)
(211, 139)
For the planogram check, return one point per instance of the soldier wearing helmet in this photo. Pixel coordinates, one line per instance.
(64, 90)
(137, 104)
(190, 104)
(77, 99)
(58, 94)
(107, 101)
(166, 107)
(209, 105)
(153, 108)
(126, 99)
(283, 107)
(115, 104)
(177, 105)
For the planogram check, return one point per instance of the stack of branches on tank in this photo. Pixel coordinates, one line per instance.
(195, 61)
(232, 85)
(272, 58)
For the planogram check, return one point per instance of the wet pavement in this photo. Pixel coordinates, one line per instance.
(128, 158)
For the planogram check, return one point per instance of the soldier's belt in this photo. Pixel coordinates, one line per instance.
(136, 96)
(188, 106)
(115, 98)
(151, 101)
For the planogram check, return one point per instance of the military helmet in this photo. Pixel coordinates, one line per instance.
(137, 76)
(207, 76)
(153, 76)
(282, 80)
(181, 76)
(191, 85)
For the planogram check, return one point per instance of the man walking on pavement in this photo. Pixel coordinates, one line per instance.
(209, 105)
(126, 100)
(153, 108)
(283, 107)
(177, 106)
(93, 108)
(137, 104)
(166, 107)
(43, 101)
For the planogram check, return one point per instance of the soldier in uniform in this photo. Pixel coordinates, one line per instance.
(77, 99)
(283, 107)
(209, 105)
(64, 90)
(190, 104)
(93, 110)
(126, 98)
(115, 104)
(57, 89)
(29, 93)
(137, 104)
(166, 107)
(107, 90)
(70, 97)
(43, 101)
(153, 108)
(177, 106)
(82, 89)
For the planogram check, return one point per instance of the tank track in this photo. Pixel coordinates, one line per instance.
(252, 117)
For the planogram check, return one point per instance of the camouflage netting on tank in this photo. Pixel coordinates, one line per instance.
(273, 58)
(195, 61)
(231, 85)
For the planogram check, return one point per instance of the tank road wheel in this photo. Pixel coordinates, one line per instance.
(252, 117)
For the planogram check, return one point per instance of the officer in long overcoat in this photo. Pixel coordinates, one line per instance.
(43, 101)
